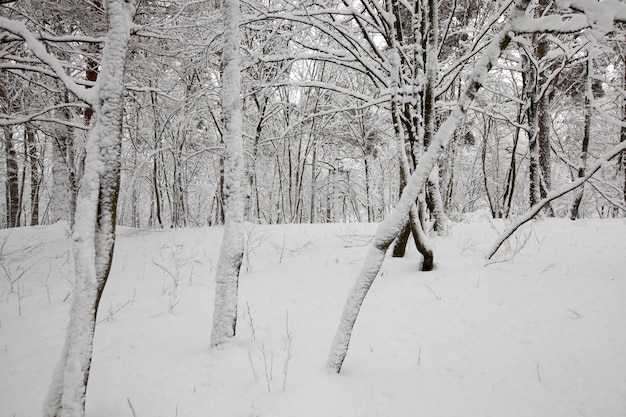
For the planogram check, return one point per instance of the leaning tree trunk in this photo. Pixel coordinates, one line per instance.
(94, 233)
(231, 251)
(393, 223)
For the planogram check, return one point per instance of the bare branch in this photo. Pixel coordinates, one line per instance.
(603, 159)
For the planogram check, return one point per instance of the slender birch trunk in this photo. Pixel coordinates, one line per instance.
(231, 251)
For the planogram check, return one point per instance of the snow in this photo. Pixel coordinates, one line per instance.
(539, 333)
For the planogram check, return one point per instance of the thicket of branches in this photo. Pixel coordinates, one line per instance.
(320, 82)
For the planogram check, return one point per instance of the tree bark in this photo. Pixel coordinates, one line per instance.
(12, 182)
(94, 235)
(574, 209)
(542, 102)
(35, 174)
(623, 132)
(231, 251)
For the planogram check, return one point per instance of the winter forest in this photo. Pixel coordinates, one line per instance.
(236, 158)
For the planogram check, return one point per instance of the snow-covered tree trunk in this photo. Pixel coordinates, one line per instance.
(432, 69)
(393, 224)
(60, 192)
(530, 85)
(94, 232)
(231, 251)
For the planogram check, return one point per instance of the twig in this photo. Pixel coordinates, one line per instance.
(130, 405)
(538, 374)
(431, 290)
(288, 357)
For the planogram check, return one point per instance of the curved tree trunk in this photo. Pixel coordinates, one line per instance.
(94, 235)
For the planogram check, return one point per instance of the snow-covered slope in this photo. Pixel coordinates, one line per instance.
(540, 333)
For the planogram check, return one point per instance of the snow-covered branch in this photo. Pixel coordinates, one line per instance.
(40, 51)
(597, 15)
(553, 195)
(9, 120)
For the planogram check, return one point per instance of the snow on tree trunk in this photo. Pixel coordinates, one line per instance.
(393, 224)
(412, 220)
(94, 232)
(438, 211)
(530, 86)
(231, 251)
(432, 69)
(59, 194)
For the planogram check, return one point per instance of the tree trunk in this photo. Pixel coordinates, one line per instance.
(623, 132)
(231, 251)
(432, 68)
(393, 224)
(313, 183)
(509, 191)
(36, 170)
(94, 235)
(13, 186)
(412, 219)
(574, 209)
(543, 116)
(368, 198)
(530, 86)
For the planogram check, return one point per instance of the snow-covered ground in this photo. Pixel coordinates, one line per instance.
(541, 333)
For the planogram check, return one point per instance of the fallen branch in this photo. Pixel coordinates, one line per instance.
(553, 195)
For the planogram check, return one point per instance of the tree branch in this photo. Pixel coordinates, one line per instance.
(39, 49)
(613, 152)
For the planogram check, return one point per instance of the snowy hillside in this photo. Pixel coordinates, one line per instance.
(537, 334)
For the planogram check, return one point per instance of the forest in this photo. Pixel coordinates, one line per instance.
(317, 84)
(411, 116)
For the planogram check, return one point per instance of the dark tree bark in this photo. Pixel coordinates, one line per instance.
(12, 182)
(543, 113)
(36, 174)
(574, 209)
(623, 131)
